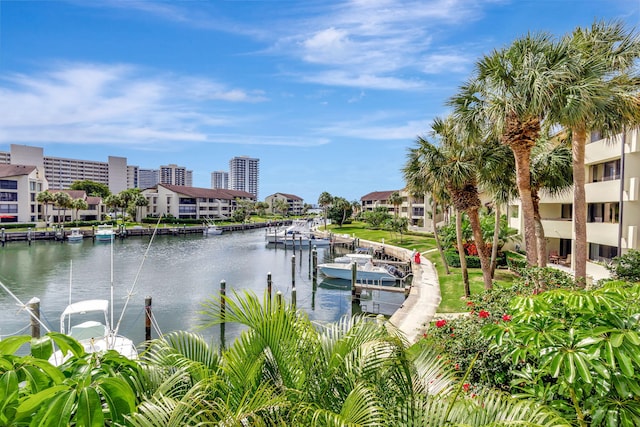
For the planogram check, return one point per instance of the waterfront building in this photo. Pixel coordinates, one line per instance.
(19, 186)
(220, 179)
(95, 209)
(413, 207)
(148, 178)
(612, 170)
(244, 174)
(192, 202)
(61, 172)
(295, 203)
(175, 175)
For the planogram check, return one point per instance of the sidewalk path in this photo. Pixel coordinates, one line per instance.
(413, 317)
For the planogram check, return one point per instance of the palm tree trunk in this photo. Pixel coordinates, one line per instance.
(496, 237)
(461, 254)
(542, 243)
(523, 181)
(474, 220)
(578, 141)
(434, 206)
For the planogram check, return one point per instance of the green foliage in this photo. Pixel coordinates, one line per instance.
(92, 188)
(340, 211)
(376, 217)
(453, 259)
(626, 267)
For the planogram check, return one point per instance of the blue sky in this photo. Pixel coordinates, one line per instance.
(328, 95)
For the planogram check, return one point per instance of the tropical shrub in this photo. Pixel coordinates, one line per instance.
(626, 267)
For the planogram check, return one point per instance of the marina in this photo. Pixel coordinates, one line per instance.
(179, 273)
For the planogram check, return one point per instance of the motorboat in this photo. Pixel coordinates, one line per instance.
(105, 233)
(305, 241)
(94, 335)
(364, 272)
(212, 230)
(297, 229)
(359, 258)
(75, 236)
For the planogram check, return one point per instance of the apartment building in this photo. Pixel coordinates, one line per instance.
(412, 207)
(61, 172)
(295, 203)
(19, 186)
(220, 179)
(175, 175)
(193, 202)
(613, 207)
(94, 211)
(148, 178)
(244, 174)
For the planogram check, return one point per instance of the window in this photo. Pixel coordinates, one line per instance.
(606, 171)
(603, 212)
(596, 135)
(6, 184)
(187, 209)
(602, 253)
(8, 208)
(186, 201)
(6, 196)
(567, 211)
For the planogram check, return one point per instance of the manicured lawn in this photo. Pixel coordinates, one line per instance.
(451, 287)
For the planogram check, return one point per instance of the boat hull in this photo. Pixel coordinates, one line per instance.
(343, 271)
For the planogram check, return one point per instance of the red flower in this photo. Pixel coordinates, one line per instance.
(466, 386)
(457, 367)
(506, 317)
(484, 314)
(469, 303)
(440, 323)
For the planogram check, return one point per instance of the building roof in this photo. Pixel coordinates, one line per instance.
(15, 170)
(288, 196)
(74, 194)
(209, 193)
(378, 195)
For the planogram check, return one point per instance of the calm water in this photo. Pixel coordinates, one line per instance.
(179, 273)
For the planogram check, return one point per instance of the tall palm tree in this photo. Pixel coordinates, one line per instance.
(62, 201)
(419, 182)
(395, 199)
(46, 198)
(599, 94)
(325, 200)
(510, 94)
(78, 205)
(140, 201)
(551, 171)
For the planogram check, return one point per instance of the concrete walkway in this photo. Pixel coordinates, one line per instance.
(413, 317)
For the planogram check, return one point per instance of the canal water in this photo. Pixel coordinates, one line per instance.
(178, 272)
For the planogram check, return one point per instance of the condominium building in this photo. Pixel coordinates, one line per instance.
(295, 203)
(412, 207)
(613, 205)
(148, 178)
(176, 175)
(220, 179)
(192, 202)
(244, 174)
(62, 172)
(19, 187)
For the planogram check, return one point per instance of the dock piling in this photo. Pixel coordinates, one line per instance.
(147, 318)
(34, 306)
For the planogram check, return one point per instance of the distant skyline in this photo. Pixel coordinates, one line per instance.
(329, 95)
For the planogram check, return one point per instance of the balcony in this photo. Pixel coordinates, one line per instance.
(602, 233)
(604, 191)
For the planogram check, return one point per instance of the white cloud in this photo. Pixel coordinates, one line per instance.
(97, 103)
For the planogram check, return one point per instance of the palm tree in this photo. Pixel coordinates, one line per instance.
(140, 201)
(62, 201)
(551, 171)
(599, 94)
(419, 182)
(510, 95)
(78, 205)
(325, 200)
(281, 205)
(395, 199)
(112, 202)
(46, 198)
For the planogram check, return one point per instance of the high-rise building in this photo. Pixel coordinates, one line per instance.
(148, 178)
(62, 172)
(243, 174)
(220, 179)
(176, 175)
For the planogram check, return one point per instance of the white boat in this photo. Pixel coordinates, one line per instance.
(104, 233)
(364, 273)
(297, 228)
(75, 236)
(94, 335)
(212, 230)
(305, 241)
(355, 257)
